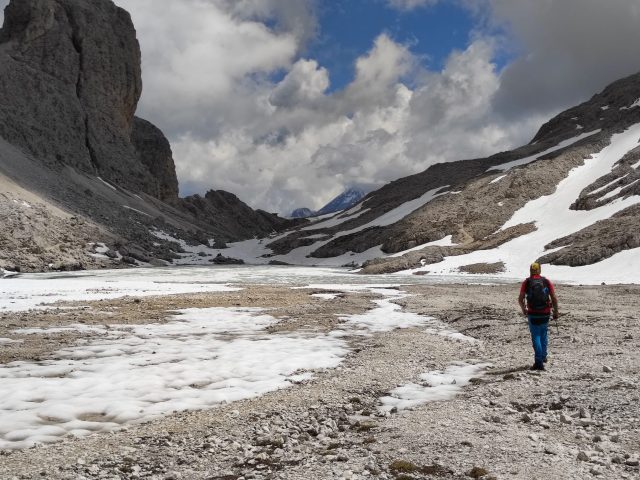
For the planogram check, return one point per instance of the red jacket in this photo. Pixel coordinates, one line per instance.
(523, 291)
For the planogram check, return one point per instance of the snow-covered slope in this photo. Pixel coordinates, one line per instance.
(568, 198)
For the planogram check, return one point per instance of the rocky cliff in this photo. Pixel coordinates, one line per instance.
(70, 81)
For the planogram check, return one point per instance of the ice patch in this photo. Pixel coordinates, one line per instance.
(200, 359)
(433, 387)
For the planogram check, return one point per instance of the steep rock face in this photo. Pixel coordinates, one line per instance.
(154, 152)
(70, 85)
(70, 81)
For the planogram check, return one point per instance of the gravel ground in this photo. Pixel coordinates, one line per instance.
(576, 420)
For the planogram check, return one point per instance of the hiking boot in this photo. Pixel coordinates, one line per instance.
(544, 360)
(537, 366)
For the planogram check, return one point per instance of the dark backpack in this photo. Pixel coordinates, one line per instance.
(537, 293)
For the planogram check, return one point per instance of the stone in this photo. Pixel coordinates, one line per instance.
(564, 418)
(607, 369)
(551, 450)
(583, 457)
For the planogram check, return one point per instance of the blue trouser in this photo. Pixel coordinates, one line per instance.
(539, 339)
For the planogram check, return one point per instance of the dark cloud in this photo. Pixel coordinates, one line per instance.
(569, 50)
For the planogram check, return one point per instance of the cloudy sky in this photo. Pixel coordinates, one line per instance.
(288, 102)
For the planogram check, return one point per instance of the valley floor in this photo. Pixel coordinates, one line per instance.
(489, 417)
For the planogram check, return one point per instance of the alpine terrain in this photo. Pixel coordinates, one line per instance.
(83, 181)
(569, 198)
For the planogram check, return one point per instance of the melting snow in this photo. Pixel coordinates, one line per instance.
(200, 359)
(433, 387)
(31, 291)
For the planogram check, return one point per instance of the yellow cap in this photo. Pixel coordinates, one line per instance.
(535, 268)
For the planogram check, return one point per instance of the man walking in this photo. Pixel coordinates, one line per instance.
(540, 298)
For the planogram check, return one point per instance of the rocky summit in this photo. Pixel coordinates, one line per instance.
(70, 81)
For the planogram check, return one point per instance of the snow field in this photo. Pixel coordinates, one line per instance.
(554, 219)
(25, 292)
(199, 359)
(202, 358)
(433, 387)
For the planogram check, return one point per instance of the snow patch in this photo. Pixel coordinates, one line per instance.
(434, 386)
(633, 105)
(496, 180)
(200, 359)
(108, 184)
(616, 191)
(325, 296)
(37, 291)
(524, 161)
(136, 210)
(604, 187)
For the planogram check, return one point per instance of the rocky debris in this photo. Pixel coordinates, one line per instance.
(483, 268)
(329, 427)
(34, 238)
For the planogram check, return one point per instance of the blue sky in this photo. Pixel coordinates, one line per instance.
(347, 29)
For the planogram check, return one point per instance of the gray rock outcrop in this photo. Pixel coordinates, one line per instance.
(154, 152)
(70, 84)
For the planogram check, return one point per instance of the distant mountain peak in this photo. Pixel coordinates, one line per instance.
(344, 201)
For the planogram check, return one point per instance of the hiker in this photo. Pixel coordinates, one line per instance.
(540, 297)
